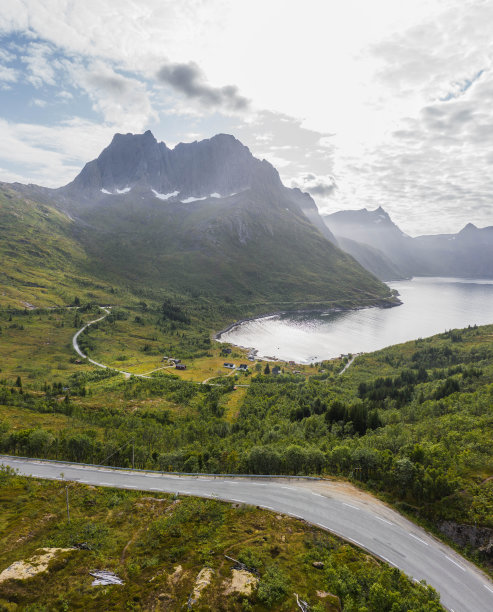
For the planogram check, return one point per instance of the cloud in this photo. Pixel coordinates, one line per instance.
(189, 80)
(49, 155)
(322, 186)
(8, 75)
(40, 64)
(123, 101)
(433, 172)
(286, 143)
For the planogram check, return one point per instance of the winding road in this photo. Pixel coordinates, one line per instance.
(340, 508)
(77, 349)
(337, 507)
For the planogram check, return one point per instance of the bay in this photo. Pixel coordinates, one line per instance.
(430, 306)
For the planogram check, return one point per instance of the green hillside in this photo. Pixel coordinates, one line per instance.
(247, 252)
(42, 262)
(412, 422)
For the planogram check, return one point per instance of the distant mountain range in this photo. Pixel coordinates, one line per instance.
(205, 218)
(374, 240)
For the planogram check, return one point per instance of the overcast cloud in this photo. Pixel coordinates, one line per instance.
(371, 104)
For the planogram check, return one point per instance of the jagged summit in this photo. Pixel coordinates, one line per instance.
(470, 227)
(216, 167)
(362, 216)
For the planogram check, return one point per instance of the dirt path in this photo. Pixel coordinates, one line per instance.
(349, 363)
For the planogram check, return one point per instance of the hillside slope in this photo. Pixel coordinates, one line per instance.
(42, 262)
(205, 218)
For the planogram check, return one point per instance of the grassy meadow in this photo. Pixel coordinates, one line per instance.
(158, 544)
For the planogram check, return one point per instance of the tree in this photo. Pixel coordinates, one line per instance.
(273, 586)
(18, 382)
(263, 460)
(404, 473)
(266, 369)
(340, 457)
(294, 459)
(40, 441)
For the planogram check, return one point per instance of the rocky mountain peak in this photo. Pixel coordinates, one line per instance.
(215, 167)
(467, 229)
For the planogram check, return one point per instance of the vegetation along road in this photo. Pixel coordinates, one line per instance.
(337, 507)
(78, 350)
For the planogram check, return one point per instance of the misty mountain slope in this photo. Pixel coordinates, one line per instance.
(244, 247)
(372, 259)
(377, 230)
(469, 253)
(42, 263)
(205, 217)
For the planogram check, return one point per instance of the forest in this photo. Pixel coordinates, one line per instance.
(411, 423)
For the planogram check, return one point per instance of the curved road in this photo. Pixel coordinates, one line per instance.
(78, 350)
(340, 508)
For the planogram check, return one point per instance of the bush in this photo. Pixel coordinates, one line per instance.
(273, 586)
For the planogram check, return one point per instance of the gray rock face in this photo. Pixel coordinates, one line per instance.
(478, 538)
(219, 166)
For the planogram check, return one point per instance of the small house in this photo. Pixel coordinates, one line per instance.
(226, 351)
(276, 370)
(231, 366)
(180, 366)
(243, 367)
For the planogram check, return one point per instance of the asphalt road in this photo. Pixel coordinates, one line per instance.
(340, 508)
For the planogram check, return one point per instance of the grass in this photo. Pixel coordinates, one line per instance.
(19, 418)
(158, 544)
(37, 345)
(42, 263)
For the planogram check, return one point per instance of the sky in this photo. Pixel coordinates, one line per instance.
(362, 104)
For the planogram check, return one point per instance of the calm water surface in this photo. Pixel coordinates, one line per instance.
(430, 306)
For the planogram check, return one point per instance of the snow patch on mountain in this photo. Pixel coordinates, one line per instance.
(117, 191)
(192, 199)
(165, 196)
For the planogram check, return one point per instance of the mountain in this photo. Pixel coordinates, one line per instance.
(469, 253)
(204, 218)
(376, 242)
(216, 167)
(374, 260)
(376, 229)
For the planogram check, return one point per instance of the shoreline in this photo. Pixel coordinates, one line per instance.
(382, 304)
(217, 335)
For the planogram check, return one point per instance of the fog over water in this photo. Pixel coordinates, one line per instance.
(430, 306)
